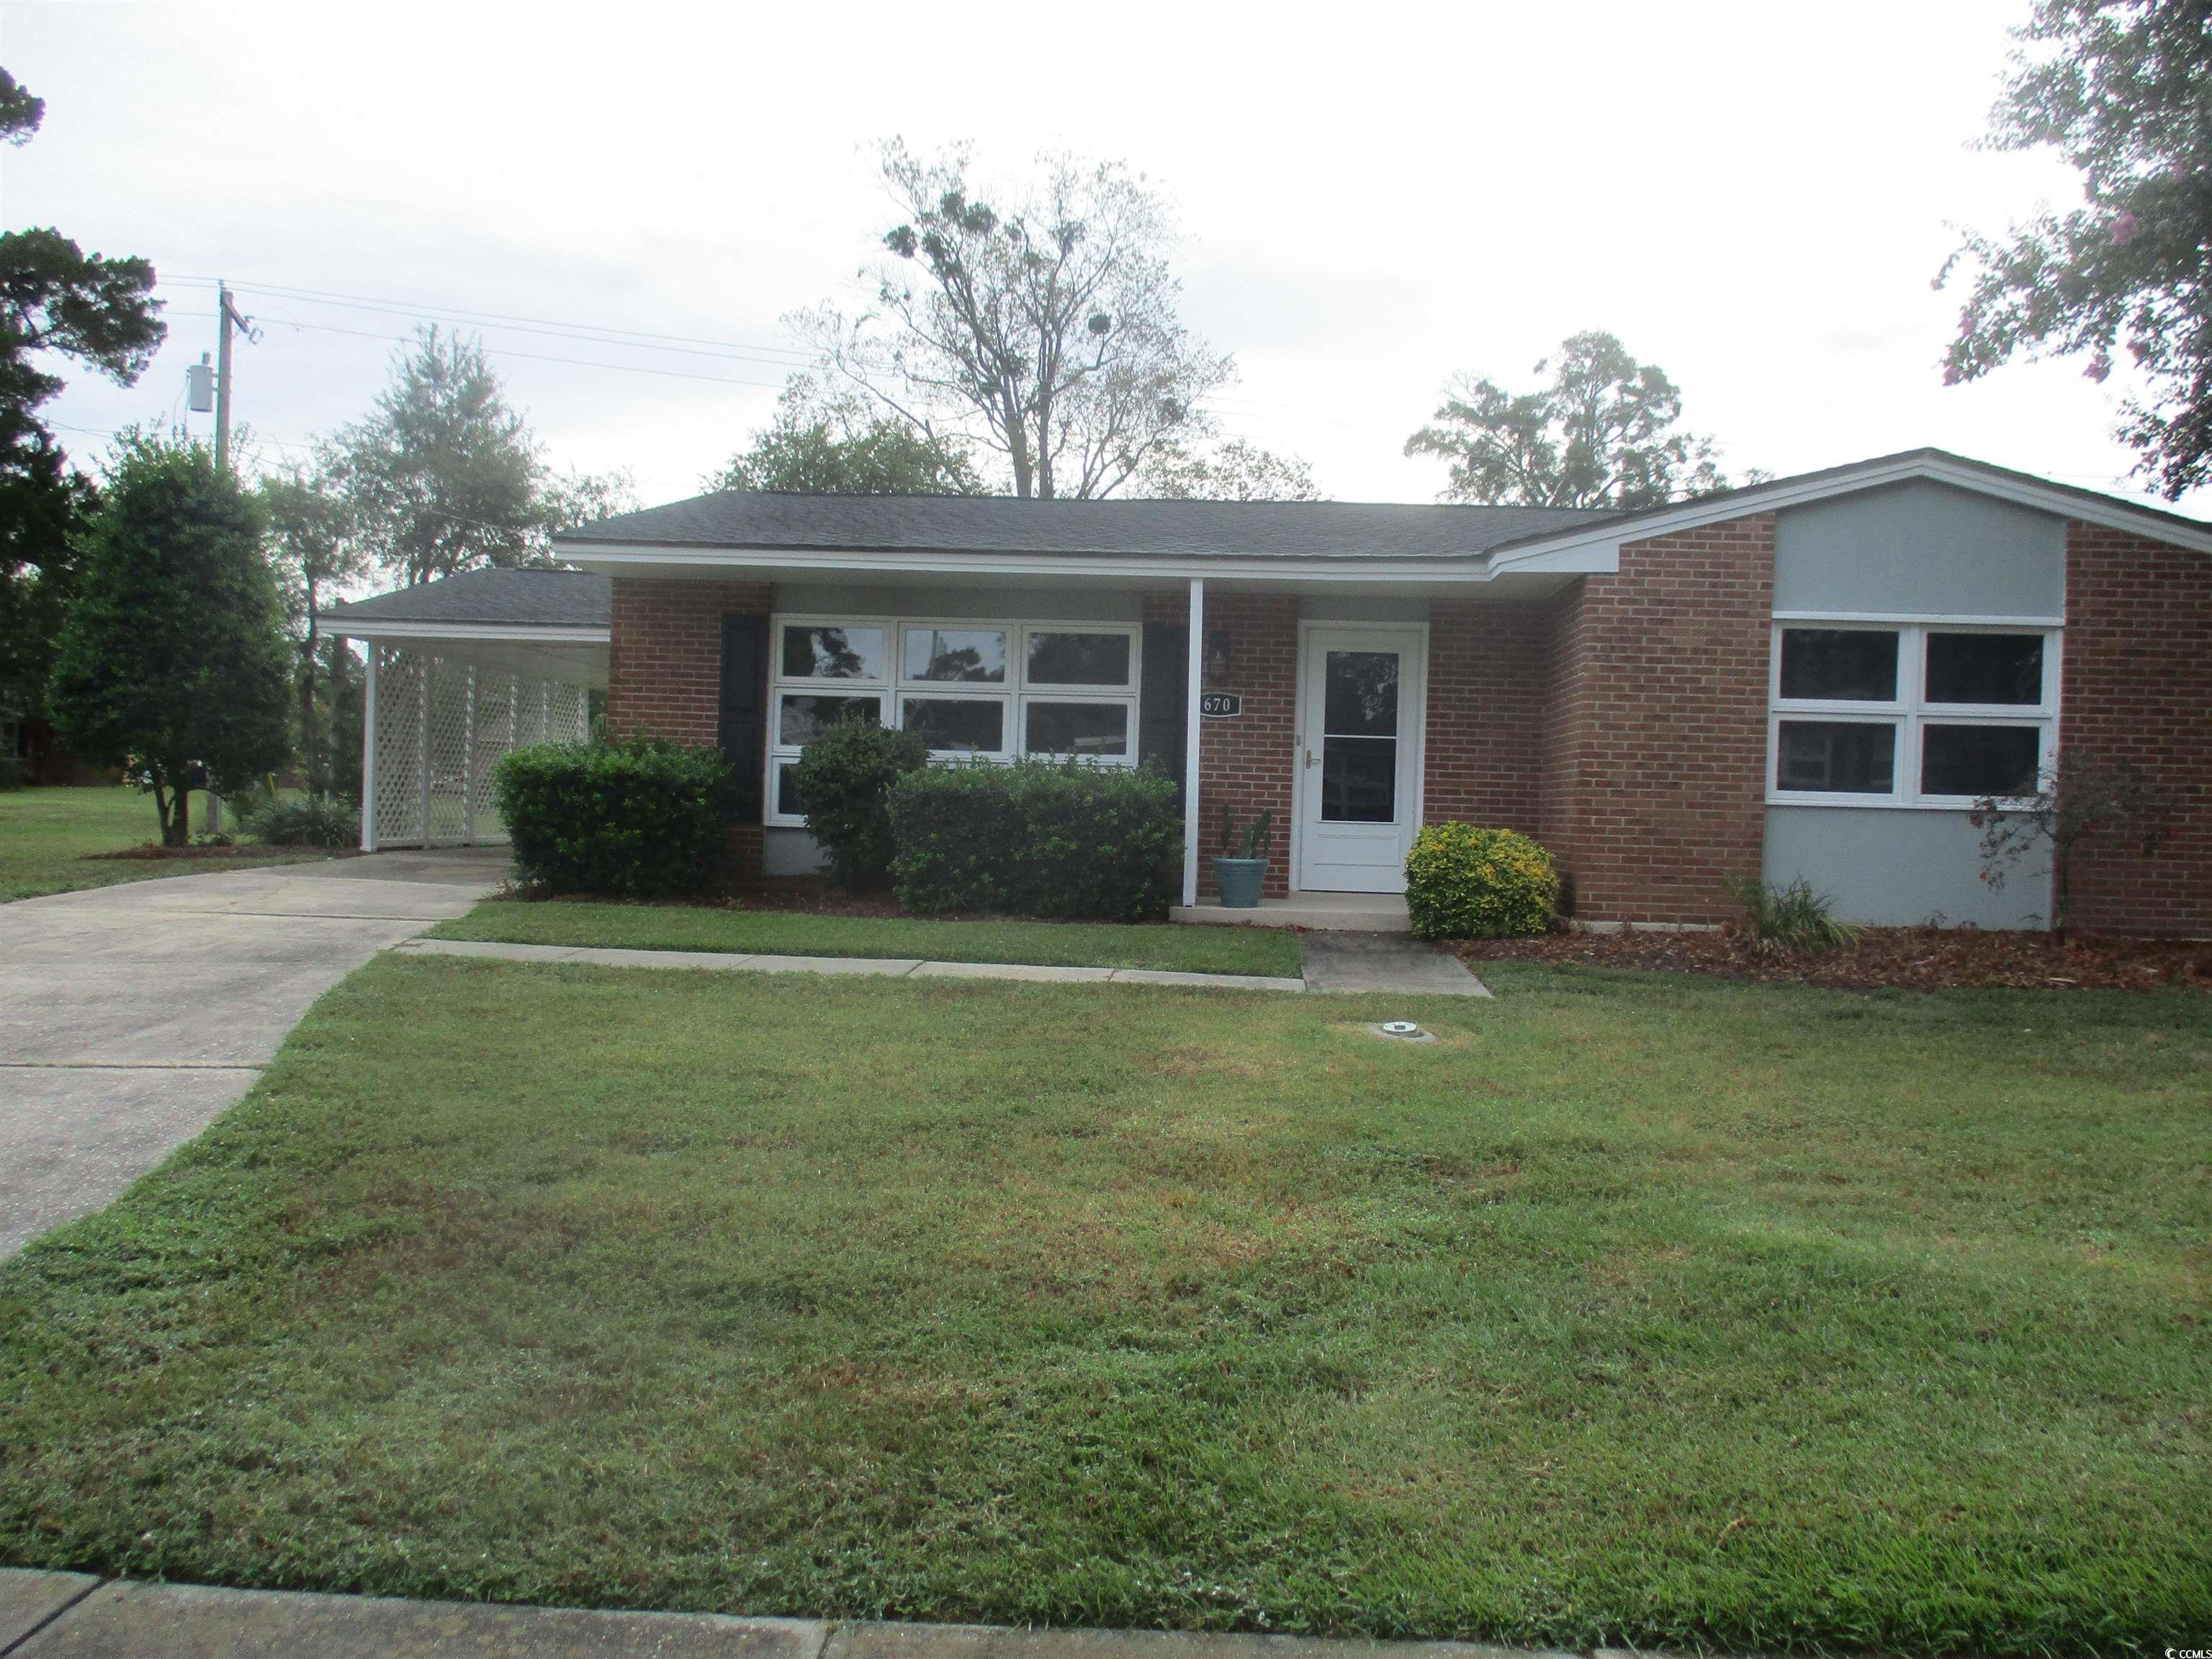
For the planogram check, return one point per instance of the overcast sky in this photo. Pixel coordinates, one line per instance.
(1754, 196)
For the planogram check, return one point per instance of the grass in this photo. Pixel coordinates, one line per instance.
(1636, 1308)
(48, 837)
(1074, 945)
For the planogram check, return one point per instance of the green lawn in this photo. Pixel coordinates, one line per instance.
(1074, 945)
(1636, 1308)
(45, 835)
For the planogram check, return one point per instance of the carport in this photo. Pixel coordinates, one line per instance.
(460, 670)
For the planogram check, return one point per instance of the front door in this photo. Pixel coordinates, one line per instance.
(1359, 787)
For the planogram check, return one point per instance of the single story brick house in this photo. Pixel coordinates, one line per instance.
(1810, 677)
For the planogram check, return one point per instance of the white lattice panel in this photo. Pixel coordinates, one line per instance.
(398, 797)
(441, 725)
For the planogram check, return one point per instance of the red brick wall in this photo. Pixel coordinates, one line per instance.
(2137, 686)
(1652, 781)
(1484, 747)
(1252, 761)
(665, 671)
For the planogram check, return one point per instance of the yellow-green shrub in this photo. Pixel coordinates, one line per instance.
(1466, 882)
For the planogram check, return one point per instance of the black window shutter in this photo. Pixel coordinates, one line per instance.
(1162, 717)
(744, 708)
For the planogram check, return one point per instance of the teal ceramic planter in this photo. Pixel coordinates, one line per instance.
(1240, 880)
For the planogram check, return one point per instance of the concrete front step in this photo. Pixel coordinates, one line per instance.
(1356, 913)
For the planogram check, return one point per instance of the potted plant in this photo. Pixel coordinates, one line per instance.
(1240, 873)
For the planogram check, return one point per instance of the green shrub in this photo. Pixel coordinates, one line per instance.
(13, 774)
(1792, 918)
(303, 821)
(844, 778)
(1466, 882)
(633, 820)
(1039, 838)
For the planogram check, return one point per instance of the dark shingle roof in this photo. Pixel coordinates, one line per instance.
(1000, 524)
(516, 599)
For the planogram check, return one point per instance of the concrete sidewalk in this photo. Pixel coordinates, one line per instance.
(880, 967)
(51, 1615)
(130, 1015)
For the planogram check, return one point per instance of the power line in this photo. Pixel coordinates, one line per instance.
(692, 345)
(698, 344)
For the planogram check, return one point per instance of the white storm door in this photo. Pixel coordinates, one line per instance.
(1359, 796)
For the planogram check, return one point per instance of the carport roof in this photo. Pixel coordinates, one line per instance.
(523, 601)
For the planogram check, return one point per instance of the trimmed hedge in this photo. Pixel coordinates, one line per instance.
(844, 778)
(632, 820)
(1039, 838)
(1466, 882)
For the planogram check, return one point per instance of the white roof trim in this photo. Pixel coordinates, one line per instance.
(524, 633)
(1473, 567)
(2110, 513)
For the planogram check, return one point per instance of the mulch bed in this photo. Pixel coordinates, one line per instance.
(1891, 958)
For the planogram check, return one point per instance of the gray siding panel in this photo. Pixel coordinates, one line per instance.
(1892, 867)
(1920, 549)
(788, 852)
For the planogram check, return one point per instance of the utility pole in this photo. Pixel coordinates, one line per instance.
(230, 318)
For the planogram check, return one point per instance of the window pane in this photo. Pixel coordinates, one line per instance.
(1846, 757)
(1985, 668)
(805, 718)
(787, 791)
(964, 725)
(1358, 780)
(1839, 664)
(1078, 659)
(1360, 697)
(833, 654)
(1079, 728)
(1978, 760)
(956, 654)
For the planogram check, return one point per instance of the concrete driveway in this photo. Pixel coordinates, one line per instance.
(129, 1016)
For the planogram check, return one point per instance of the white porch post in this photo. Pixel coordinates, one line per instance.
(368, 754)
(1191, 740)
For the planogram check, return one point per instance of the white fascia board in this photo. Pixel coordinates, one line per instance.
(1609, 539)
(1448, 570)
(515, 632)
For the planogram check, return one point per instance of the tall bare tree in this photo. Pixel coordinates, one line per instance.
(1043, 330)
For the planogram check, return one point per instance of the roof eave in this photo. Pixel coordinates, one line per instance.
(400, 628)
(1471, 567)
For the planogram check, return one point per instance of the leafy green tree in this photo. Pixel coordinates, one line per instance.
(575, 498)
(443, 476)
(2123, 90)
(54, 298)
(1045, 331)
(315, 549)
(173, 653)
(1234, 472)
(818, 446)
(1602, 432)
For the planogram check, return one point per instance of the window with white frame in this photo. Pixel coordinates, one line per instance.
(977, 690)
(1920, 713)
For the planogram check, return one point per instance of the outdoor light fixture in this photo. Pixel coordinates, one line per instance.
(1217, 653)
